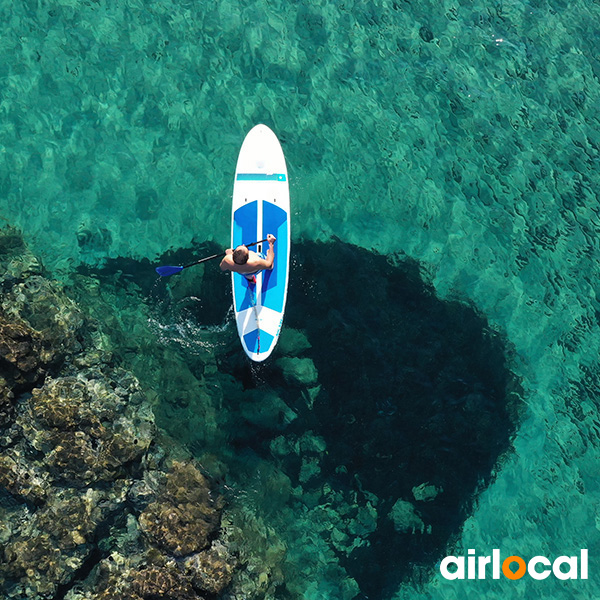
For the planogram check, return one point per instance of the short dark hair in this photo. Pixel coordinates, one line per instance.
(240, 255)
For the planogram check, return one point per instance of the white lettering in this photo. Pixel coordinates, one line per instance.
(483, 561)
(460, 567)
(496, 563)
(539, 574)
(538, 567)
(471, 564)
(569, 560)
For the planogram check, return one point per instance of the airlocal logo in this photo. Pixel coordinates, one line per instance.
(539, 567)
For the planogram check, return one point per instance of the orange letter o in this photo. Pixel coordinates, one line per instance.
(519, 572)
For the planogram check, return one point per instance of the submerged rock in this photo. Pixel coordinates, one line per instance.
(52, 543)
(293, 342)
(184, 516)
(22, 479)
(299, 371)
(88, 427)
(39, 325)
(426, 492)
(20, 363)
(45, 323)
(16, 261)
(83, 483)
(267, 411)
(162, 582)
(406, 518)
(148, 583)
(212, 570)
(20, 349)
(77, 445)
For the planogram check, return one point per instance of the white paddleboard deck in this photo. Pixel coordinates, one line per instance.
(261, 205)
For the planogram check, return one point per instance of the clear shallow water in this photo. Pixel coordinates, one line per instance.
(462, 135)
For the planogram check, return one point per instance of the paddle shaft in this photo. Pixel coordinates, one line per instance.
(219, 255)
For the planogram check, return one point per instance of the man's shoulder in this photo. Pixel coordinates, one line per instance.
(254, 258)
(227, 261)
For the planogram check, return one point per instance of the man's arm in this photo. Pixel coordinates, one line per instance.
(267, 263)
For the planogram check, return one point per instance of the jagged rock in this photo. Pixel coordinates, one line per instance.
(184, 516)
(53, 543)
(179, 530)
(39, 325)
(71, 433)
(20, 363)
(20, 347)
(211, 570)
(6, 403)
(146, 490)
(150, 582)
(161, 582)
(80, 460)
(87, 430)
(22, 479)
(45, 309)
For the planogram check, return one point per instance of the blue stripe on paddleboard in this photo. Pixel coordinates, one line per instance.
(244, 231)
(261, 177)
(252, 342)
(273, 286)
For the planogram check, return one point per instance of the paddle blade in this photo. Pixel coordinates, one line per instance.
(165, 271)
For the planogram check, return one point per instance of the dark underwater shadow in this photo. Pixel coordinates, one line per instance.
(414, 391)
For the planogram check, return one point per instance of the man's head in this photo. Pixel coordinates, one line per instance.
(240, 255)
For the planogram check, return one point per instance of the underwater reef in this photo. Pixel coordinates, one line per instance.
(95, 502)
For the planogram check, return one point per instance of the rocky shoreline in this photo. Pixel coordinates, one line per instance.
(95, 502)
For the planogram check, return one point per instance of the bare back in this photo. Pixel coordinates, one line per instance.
(255, 263)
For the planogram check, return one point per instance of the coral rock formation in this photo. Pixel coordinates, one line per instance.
(91, 506)
(183, 517)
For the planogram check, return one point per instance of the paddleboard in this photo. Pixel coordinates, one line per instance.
(261, 205)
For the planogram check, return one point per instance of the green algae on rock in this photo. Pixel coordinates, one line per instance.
(299, 371)
(293, 342)
(406, 518)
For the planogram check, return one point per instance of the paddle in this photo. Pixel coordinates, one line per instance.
(166, 271)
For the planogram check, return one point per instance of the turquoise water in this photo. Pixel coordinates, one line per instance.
(461, 135)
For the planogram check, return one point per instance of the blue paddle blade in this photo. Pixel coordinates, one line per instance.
(165, 271)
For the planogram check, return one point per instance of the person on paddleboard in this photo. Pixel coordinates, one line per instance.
(249, 263)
